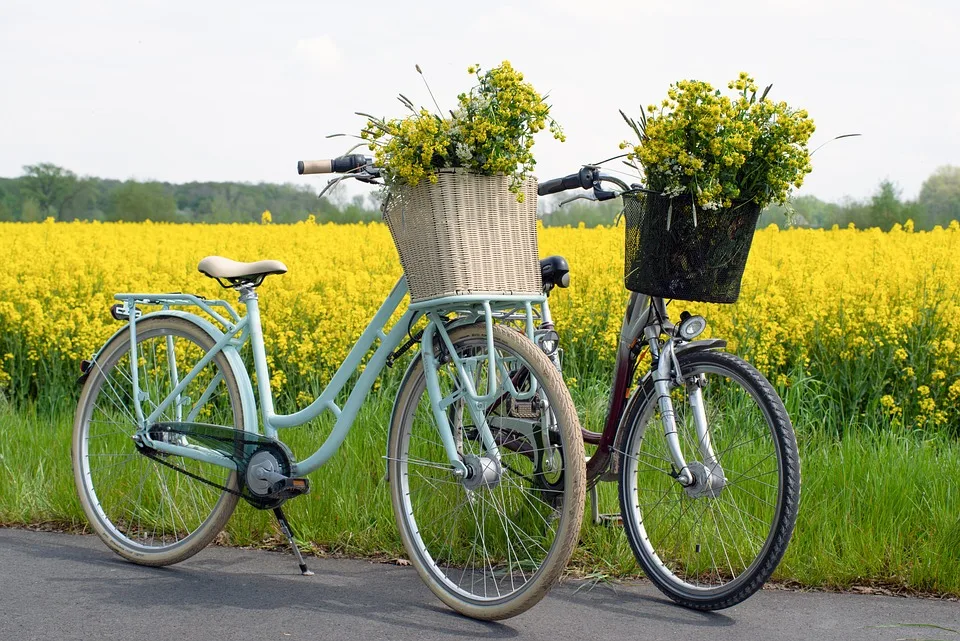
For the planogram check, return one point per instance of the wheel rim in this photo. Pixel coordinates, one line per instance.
(706, 545)
(486, 543)
(141, 503)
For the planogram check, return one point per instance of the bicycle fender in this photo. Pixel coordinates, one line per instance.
(233, 359)
(393, 413)
(643, 391)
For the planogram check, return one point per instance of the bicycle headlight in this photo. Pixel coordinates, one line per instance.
(691, 327)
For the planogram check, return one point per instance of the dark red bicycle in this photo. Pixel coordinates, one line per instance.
(699, 442)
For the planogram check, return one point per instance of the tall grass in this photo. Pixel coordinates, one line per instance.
(879, 506)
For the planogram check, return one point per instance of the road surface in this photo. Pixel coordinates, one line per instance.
(57, 587)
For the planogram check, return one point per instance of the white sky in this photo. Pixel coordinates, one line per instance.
(211, 90)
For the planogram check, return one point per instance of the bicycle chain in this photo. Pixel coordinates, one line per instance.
(191, 474)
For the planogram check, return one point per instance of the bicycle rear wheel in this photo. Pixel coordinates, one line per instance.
(142, 509)
(492, 544)
(713, 544)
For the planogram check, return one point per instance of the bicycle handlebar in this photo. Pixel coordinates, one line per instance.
(582, 179)
(341, 165)
(588, 177)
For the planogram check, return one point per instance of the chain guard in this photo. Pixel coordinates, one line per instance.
(237, 445)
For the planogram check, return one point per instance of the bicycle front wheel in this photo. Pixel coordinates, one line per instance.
(491, 544)
(712, 544)
(144, 510)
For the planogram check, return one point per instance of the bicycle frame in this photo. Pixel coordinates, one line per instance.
(644, 320)
(239, 330)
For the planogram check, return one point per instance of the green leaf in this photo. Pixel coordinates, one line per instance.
(632, 124)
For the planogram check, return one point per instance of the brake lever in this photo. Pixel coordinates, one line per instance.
(603, 194)
(587, 196)
(369, 176)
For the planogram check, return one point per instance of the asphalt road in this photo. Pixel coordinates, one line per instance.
(60, 587)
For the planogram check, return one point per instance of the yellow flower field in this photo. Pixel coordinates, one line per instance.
(872, 317)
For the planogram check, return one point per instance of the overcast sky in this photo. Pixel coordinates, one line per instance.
(208, 90)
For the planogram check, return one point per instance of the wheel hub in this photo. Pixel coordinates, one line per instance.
(481, 472)
(708, 481)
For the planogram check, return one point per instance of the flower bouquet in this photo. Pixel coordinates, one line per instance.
(710, 163)
(461, 203)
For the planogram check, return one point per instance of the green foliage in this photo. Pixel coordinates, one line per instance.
(940, 197)
(31, 212)
(137, 202)
(55, 190)
(95, 199)
(866, 517)
(47, 190)
(883, 209)
(590, 214)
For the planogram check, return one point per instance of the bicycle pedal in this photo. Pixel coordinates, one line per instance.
(288, 488)
(524, 409)
(610, 520)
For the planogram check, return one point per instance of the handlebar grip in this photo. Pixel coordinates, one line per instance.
(583, 179)
(341, 165)
(314, 167)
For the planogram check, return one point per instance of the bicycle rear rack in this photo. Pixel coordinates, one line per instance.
(129, 304)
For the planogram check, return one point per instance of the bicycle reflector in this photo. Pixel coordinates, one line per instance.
(691, 327)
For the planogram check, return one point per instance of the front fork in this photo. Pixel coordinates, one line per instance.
(666, 374)
(499, 385)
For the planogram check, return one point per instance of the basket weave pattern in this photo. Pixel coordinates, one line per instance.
(698, 262)
(466, 234)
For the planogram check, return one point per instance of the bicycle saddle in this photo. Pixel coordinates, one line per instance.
(236, 273)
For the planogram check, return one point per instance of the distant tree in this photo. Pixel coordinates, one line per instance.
(940, 197)
(885, 208)
(135, 201)
(220, 210)
(30, 211)
(53, 188)
(590, 214)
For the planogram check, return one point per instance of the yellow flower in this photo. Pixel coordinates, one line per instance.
(491, 132)
(858, 289)
(718, 149)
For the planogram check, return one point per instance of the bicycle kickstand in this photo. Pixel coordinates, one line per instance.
(288, 532)
(602, 519)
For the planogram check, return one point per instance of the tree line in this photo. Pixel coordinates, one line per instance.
(46, 190)
(938, 203)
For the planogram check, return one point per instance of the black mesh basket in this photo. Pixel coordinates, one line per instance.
(702, 262)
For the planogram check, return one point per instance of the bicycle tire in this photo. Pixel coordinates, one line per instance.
(673, 556)
(516, 505)
(147, 528)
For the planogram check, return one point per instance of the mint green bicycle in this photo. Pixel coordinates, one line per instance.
(484, 455)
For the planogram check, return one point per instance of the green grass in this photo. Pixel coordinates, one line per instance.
(877, 507)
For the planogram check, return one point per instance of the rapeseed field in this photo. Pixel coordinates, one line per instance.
(871, 318)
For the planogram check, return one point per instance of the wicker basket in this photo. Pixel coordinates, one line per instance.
(702, 262)
(466, 234)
